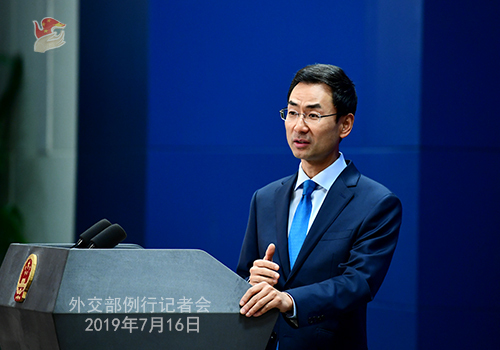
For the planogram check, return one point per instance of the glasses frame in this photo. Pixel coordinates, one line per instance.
(283, 114)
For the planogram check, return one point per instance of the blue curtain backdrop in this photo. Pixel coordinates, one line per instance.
(179, 125)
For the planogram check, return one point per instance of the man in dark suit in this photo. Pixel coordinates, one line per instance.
(318, 243)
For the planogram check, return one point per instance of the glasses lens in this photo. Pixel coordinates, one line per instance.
(283, 113)
(313, 118)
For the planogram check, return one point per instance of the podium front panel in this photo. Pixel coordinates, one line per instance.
(126, 299)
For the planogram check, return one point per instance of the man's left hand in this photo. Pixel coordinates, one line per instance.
(261, 298)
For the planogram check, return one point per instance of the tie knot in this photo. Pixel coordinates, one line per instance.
(309, 187)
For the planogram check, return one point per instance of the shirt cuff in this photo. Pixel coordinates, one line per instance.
(291, 314)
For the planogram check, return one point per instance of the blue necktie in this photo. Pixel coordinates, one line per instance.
(300, 223)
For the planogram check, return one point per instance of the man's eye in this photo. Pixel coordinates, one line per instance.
(293, 113)
(313, 116)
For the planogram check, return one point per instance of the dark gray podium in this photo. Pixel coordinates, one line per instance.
(123, 298)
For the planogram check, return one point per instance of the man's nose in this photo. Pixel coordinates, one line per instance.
(300, 124)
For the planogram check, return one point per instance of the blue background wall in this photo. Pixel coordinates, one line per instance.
(113, 115)
(458, 281)
(179, 126)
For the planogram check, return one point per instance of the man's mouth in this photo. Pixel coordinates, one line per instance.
(300, 143)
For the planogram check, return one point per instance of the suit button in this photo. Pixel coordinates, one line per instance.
(311, 321)
(273, 335)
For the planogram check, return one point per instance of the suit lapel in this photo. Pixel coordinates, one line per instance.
(283, 195)
(336, 200)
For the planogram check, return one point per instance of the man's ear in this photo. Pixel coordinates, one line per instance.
(345, 127)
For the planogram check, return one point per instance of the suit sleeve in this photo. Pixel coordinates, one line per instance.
(249, 249)
(362, 273)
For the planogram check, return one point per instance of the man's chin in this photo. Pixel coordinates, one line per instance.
(299, 154)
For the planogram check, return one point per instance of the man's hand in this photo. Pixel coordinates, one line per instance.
(261, 298)
(264, 270)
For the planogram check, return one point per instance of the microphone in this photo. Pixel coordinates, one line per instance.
(84, 240)
(108, 238)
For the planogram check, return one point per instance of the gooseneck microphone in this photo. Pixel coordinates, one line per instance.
(108, 238)
(94, 230)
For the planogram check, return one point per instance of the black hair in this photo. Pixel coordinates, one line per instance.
(344, 95)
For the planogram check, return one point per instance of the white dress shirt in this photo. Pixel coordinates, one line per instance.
(324, 181)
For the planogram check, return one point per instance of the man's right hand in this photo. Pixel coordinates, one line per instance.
(265, 270)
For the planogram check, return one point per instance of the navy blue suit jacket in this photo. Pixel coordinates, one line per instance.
(341, 265)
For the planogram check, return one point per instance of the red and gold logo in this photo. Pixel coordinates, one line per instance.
(47, 37)
(25, 278)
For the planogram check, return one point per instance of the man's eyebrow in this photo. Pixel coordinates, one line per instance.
(313, 106)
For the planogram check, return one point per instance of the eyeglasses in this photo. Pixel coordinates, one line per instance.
(311, 118)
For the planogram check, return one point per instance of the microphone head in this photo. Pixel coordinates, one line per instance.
(108, 238)
(90, 233)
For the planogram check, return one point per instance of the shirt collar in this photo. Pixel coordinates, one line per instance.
(327, 177)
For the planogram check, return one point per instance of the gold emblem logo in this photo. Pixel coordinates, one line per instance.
(25, 279)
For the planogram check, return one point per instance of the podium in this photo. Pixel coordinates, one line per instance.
(54, 297)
